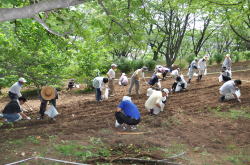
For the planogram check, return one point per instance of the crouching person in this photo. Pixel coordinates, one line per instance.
(13, 111)
(127, 114)
(225, 75)
(154, 81)
(47, 94)
(99, 84)
(156, 101)
(123, 81)
(179, 84)
(230, 90)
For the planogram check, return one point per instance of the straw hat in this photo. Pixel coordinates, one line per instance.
(48, 93)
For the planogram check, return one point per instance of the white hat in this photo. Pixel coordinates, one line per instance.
(113, 65)
(149, 91)
(21, 79)
(228, 55)
(165, 90)
(126, 98)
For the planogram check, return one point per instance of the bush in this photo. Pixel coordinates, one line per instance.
(236, 56)
(190, 58)
(137, 64)
(124, 65)
(246, 55)
(150, 64)
(218, 58)
(211, 61)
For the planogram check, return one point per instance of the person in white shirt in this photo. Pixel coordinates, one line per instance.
(135, 79)
(123, 80)
(111, 77)
(230, 88)
(202, 66)
(156, 101)
(225, 75)
(227, 62)
(98, 84)
(15, 89)
(179, 84)
(192, 67)
(175, 73)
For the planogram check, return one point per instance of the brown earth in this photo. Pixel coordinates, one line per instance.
(187, 119)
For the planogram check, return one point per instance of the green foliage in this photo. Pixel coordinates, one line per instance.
(236, 57)
(211, 61)
(218, 58)
(232, 113)
(137, 64)
(190, 58)
(246, 55)
(150, 64)
(125, 65)
(34, 139)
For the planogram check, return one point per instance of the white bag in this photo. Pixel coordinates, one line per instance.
(220, 78)
(231, 96)
(106, 94)
(195, 74)
(205, 73)
(159, 84)
(51, 112)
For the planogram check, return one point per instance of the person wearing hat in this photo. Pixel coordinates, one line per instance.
(202, 66)
(230, 88)
(225, 75)
(14, 92)
(154, 81)
(111, 77)
(156, 101)
(135, 79)
(13, 112)
(127, 113)
(123, 80)
(47, 94)
(191, 68)
(71, 84)
(175, 72)
(99, 84)
(179, 84)
(227, 62)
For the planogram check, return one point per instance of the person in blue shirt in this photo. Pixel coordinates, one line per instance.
(127, 113)
(154, 81)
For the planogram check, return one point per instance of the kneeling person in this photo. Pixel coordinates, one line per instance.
(13, 111)
(156, 101)
(127, 113)
(229, 89)
(154, 81)
(179, 84)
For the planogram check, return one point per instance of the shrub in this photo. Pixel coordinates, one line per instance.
(150, 64)
(124, 65)
(137, 64)
(218, 58)
(236, 56)
(246, 55)
(190, 58)
(211, 61)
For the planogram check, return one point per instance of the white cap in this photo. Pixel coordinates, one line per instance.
(228, 55)
(113, 65)
(149, 91)
(165, 90)
(126, 98)
(21, 79)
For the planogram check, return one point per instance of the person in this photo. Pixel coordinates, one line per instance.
(127, 113)
(99, 84)
(179, 84)
(202, 66)
(71, 84)
(13, 112)
(135, 79)
(163, 70)
(156, 101)
(191, 69)
(154, 80)
(176, 72)
(47, 94)
(111, 77)
(15, 89)
(225, 75)
(230, 88)
(123, 80)
(227, 62)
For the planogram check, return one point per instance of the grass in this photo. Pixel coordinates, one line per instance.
(232, 113)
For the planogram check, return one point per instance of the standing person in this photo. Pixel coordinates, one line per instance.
(13, 112)
(14, 92)
(47, 94)
(202, 66)
(111, 77)
(230, 88)
(135, 79)
(156, 101)
(127, 113)
(99, 84)
(191, 69)
(123, 80)
(154, 80)
(227, 62)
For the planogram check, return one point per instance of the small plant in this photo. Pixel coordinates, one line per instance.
(34, 139)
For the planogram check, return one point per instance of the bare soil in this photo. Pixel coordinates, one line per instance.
(187, 119)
